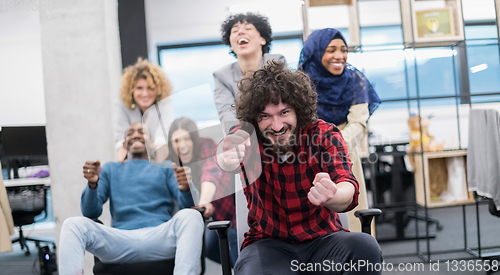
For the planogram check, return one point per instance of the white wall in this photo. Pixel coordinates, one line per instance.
(21, 91)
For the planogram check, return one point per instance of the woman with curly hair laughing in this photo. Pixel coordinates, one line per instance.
(142, 85)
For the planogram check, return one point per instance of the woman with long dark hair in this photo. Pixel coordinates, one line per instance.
(193, 156)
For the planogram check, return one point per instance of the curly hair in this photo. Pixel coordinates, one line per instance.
(143, 69)
(272, 83)
(260, 23)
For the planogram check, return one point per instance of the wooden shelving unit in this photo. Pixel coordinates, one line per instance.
(435, 171)
(427, 27)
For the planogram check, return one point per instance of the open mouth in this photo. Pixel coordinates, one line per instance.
(136, 143)
(243, 41)
(277, 135)
(337, 65)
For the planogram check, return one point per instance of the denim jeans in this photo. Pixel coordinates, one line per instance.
(180, 237)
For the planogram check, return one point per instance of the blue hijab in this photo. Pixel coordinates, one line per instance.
(336, 93)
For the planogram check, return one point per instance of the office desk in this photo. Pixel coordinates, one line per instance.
(27, 182)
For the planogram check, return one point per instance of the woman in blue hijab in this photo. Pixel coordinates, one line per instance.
(345, 97)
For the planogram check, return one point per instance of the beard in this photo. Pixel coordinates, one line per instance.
(280, 147)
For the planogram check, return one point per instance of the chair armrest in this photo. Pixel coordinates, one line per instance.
(219, 225)
(365, 216)
(221, 228)
(368, 212)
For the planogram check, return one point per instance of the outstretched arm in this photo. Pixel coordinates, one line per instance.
(231, 151)
(96, 193)
(336, 197)
(336, 188)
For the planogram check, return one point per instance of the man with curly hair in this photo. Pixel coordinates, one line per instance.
(142, 85)
(249, 36)
(306, 180)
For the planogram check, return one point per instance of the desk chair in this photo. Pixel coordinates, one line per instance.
(365, 216)
(26, 203)
(383, 175)
(150, 268)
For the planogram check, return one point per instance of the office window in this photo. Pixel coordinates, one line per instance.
(381, 35)
(478, 10)
(189, 66)
(436, 71)
(386, 72)
(483, 59)
(442, 114)
(392, 72)
(380, 22)
(484, 69)
(333, 16)
(481, 32)
(389, 123)
(485, 99)
(289, 48)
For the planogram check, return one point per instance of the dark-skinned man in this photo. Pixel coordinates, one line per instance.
(141, 199)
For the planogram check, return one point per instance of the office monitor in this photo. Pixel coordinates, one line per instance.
(24, 146)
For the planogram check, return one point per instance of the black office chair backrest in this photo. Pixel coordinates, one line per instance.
(26, 203)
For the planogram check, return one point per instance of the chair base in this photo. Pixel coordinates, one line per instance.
(23, 242)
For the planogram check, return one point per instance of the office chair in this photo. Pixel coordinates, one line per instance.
(151, 268)
(365, 216)
(383, 175)
(26, 203)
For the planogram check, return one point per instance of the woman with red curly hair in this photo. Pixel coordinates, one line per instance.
(142, 85)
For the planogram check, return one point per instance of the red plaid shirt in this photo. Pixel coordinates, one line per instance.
(224, 194)
(277, 200)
